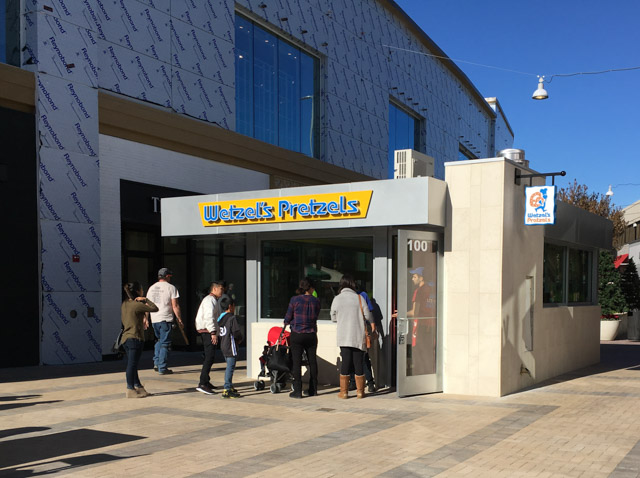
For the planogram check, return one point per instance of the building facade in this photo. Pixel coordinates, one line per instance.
(113, 105)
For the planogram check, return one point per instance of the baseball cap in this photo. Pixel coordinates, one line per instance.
(417, 270)
(164, 272)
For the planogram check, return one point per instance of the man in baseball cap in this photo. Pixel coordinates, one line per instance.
(165, 296)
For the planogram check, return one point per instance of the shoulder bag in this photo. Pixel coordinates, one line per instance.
(370, 336)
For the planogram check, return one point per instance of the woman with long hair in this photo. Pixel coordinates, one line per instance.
(350, 311)
(302, 318)
(134, 321)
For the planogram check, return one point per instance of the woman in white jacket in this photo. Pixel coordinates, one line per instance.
(349, 310)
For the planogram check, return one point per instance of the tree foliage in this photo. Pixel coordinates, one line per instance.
(610, 295)
(600, 204)
(631, 285)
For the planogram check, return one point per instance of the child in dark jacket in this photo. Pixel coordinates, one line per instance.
(230, 337)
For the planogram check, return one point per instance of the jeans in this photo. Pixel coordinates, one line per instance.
(228, 373)
(209, 356)
(351, 360)
(161, 350)
(298, 343)
(133, 348)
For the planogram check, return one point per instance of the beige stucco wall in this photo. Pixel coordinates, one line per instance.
(472, 276)
(493, 290)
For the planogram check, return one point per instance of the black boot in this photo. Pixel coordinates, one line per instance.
(296, 390)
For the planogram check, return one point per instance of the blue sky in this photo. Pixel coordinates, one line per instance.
(590, 125)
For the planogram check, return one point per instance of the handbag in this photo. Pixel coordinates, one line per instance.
(118, 347)
(370, 336)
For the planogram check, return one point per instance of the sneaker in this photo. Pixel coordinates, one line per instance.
(211, 386)
(230, 393)
(371, 386)
(155, 368)
(165, 372)
(295, 394)
(205, 389)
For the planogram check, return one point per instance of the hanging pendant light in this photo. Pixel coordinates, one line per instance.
(540, 93)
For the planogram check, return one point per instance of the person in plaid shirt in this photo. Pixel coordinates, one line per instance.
(302, 318)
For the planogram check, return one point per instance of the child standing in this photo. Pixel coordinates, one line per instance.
(230, 336)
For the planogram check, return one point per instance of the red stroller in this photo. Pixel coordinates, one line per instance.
(276, 362)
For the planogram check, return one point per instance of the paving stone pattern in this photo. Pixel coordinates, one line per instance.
(75, 421)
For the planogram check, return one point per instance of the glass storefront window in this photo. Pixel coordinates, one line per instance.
(579, 287)
(284, 263)
(277, 90)
(139, 241)
(173, 245)
(553, 276)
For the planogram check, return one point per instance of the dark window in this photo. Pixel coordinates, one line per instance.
(277, 93)
(404, 133)
(284, 263)
(579, 287)
(568, 275)
(553, 277)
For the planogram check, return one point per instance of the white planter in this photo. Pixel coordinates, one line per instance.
(609, 329)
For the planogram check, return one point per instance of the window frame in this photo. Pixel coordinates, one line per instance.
(419, 136)
(592, 280)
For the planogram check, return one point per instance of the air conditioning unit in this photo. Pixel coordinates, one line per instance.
(412, 164)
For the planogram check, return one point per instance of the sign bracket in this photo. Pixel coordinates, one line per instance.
(520, 176)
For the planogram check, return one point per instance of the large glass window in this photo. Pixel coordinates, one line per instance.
(277, 93)
(404, 133)
(568, 276)
(284, 263)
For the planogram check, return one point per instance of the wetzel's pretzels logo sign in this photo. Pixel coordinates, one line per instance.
(540, 205)
(315, 207)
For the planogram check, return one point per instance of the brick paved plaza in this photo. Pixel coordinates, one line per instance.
(75, 421)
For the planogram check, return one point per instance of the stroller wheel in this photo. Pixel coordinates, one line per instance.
(276, 388)
(258, 385)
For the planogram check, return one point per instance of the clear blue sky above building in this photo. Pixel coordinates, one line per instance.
(590, 124)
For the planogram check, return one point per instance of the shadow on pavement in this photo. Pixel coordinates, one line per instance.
(69, 464)
(44, 372)
(9, 406)
(27, 450)
(13, 398)
(21, 431)
(613, 356)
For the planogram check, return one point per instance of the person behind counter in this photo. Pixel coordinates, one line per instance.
(347, 311)
(134, 321)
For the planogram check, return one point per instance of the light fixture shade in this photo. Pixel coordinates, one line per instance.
(540, 93)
